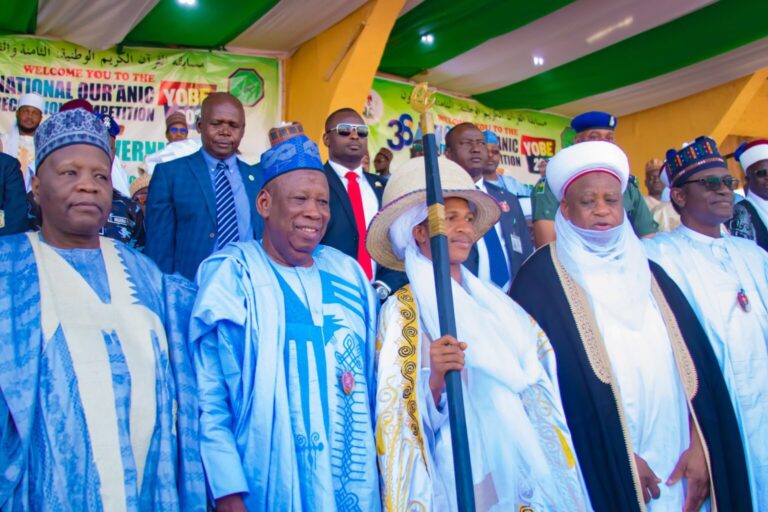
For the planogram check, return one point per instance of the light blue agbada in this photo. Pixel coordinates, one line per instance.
(712, 273)
(98, 404)
(284, 359)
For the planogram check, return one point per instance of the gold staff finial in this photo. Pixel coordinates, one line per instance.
(422, 99)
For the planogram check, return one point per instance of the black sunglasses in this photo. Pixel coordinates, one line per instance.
(345, 129)
(714, 183)
(760, 173)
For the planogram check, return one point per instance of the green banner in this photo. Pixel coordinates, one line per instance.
(139, 87)
(527, 138)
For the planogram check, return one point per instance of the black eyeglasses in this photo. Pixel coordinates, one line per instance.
(176, 129)
(760, 173)
(714, 183)
(345, 129)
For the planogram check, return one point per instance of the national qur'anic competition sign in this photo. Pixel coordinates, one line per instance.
(527, 138)
(139, 88)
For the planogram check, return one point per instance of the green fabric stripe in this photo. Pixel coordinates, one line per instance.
(457, 26)
(18, 17)
(209, 24)
(706, 33)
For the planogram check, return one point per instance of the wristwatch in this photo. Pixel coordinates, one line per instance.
(382, 290)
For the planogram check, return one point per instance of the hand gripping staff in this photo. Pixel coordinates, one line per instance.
(422, 101)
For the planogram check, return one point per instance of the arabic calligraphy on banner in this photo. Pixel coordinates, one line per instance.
(527, 139)
(139, 88)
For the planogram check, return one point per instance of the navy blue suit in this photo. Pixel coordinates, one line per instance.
(181, 213)
(512, 223)
(13, 197)
(342, 229)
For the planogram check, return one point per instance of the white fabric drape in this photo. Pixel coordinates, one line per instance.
(282, 30)
(559, 38)
(95, 24)
(610, 265)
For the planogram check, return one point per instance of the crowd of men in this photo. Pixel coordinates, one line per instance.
(267, 337)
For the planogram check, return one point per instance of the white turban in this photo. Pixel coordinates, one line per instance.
(752, 152)
(583, 158)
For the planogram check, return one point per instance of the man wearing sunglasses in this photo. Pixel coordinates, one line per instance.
(750, 217)
(179, 145)
(725, 279)
(176, 128)
(355, 196)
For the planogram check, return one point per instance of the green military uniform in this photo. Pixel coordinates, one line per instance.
(545, 204)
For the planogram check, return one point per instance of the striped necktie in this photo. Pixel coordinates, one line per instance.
(226, 215)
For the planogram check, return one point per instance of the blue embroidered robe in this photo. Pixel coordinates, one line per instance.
(56, 428)
(277, 425)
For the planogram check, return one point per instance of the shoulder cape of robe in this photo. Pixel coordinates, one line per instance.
(171, 297)
(590, 394)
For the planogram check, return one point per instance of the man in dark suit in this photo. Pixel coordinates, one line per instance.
(13, 197)
(499, 254)
(355, 196)
(199, 203)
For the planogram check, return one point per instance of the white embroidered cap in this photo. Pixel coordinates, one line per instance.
(31, 99)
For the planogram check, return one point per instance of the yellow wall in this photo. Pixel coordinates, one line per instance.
(336, 68)
(739, 107)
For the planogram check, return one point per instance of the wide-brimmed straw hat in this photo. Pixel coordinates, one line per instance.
(406, 188)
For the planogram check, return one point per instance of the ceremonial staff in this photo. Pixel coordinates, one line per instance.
(422, 101)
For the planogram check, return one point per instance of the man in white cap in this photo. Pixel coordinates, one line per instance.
(750, 217)
(19, 142)
(521, 451)
(725, 279)
(639, 382)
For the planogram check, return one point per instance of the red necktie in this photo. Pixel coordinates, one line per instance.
(356, 198)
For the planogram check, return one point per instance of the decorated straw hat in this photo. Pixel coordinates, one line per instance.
(406, 188)
(141, 181)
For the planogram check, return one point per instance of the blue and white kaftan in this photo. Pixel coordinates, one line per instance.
(284, 359)
(712, 272)
(98, 405)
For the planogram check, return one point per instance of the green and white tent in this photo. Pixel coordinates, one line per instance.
(564, 56)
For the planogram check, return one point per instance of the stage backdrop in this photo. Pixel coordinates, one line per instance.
(527, 138)
(139, 87)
